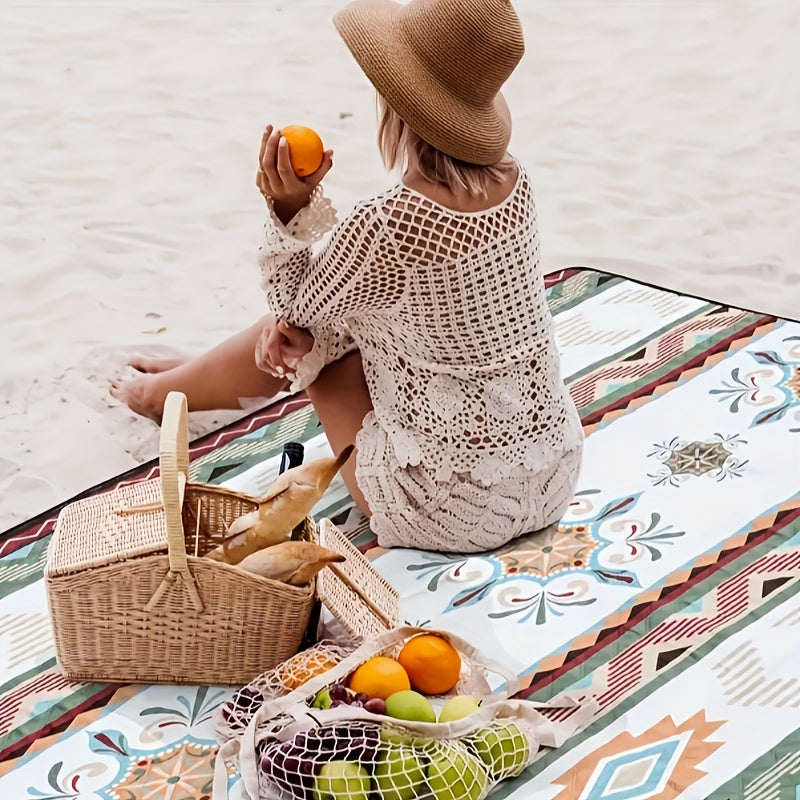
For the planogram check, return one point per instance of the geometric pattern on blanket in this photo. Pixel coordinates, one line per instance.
(667, 594)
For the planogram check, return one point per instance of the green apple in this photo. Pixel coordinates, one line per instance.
(456, 775)
(410, 705)
(503, 748)
(458, 707)
(398, 737)
(322, 699)
(398, 774)
(342, 780)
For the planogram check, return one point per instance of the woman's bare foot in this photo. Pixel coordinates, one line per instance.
(138, 392)
(152, 365)
(217, 379)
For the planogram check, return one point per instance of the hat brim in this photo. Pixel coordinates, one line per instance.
(475, 134)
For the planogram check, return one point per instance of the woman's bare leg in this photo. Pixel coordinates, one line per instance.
(219, 378)
(149, 364)
(341, 400)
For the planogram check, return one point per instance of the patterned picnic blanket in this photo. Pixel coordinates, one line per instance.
(667, 594)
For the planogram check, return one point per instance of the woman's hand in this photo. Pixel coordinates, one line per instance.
(276, 178)
(280, 348)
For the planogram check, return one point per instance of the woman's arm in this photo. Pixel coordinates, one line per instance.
(347, 277)
(353, 274)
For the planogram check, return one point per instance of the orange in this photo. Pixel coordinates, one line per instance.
(381, 676)
(305, 149)
(432, 663)
(303, 666)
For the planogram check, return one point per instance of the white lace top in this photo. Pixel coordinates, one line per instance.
(448, 310)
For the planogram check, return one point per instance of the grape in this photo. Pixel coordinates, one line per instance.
(376, 705)
(295, 764)
(361, 697)
(338, 691)
(356, 703)
(354, 741)
(357, 741)
(290, 769)
(337, 703)
(247, 699)
(311, 742)
(243, 704)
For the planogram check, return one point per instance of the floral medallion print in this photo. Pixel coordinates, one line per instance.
(681, 460)
(541, 575)
(770, 390)
(185, 770)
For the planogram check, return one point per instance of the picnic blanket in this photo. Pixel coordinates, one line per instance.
(667, 595)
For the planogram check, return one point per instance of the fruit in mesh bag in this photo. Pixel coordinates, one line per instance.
(432, 663)
(503, 748)
(350, 741)
(399, 774)
(393, 736)
(342, 780)
(458, 707)
(410, 705)
(379, 676)
(242, 705)
(455, 774)
(322, 699)
(377, 705)
(337, 694)
(289, 769)
(292, 767)
(305, 665)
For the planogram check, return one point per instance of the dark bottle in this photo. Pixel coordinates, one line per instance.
(292, 456)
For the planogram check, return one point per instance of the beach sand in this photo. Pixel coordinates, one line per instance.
(663, 138)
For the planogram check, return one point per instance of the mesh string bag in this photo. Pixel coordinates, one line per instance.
(235, 715)
(363, 759)
(289, 749)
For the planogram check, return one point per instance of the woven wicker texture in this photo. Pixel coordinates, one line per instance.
(115, 538)
(354, 592)
(131, 602)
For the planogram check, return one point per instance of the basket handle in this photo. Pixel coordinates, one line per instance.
(174, 467)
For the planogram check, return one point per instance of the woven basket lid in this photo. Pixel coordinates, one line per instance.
(92, 532)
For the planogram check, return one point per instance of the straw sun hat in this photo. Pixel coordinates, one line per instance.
(440, 65)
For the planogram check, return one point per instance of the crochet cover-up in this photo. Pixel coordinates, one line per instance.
(474, 438)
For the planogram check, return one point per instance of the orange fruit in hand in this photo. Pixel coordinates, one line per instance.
(432, 663)
(305, 149)
(380, 676)
(303, 666)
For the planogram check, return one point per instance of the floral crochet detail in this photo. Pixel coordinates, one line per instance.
(448, 310)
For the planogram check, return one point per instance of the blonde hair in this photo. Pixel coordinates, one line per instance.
(396, 140)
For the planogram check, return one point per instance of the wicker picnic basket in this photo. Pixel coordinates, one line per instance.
(132, 598)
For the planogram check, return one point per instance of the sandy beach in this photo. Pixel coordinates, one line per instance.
(663, 138)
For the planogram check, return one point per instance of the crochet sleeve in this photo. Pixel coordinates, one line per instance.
(352, 275)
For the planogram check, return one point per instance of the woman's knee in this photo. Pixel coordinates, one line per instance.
(344, 376)
(341, 399)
